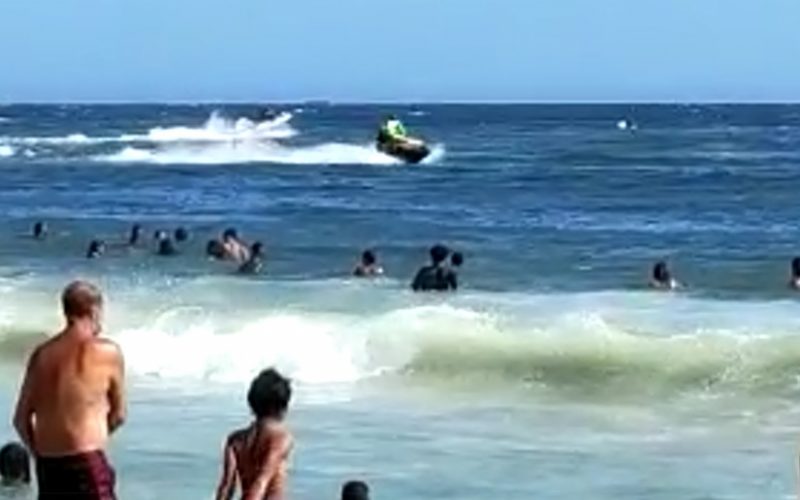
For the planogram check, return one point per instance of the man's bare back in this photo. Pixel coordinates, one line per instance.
(73, 382)
(72, 399)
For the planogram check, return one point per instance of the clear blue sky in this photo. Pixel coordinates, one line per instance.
(532, 50)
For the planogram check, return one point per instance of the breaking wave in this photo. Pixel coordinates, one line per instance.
(601, 345)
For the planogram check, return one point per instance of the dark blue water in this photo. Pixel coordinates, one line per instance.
(538, 197)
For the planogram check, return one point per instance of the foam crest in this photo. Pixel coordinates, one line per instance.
(215, 129)
(311, 350)
(220, 129)
(6, 151)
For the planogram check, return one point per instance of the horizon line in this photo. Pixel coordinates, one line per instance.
(379, 102)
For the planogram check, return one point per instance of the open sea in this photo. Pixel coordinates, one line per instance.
(554, 373)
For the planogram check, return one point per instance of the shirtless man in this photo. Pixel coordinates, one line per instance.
(71, 400)
(257, 455)
(235, 249)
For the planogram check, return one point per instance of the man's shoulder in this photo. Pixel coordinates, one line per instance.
(106, 348)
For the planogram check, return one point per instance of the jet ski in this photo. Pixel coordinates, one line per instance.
(407, 150)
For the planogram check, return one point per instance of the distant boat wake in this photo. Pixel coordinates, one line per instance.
(218, 141)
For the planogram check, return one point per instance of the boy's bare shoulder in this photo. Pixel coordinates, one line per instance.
(236, 437)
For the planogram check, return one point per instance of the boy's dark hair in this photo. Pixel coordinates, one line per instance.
(269, 394)
(355, 490)
(257, 249)
(796, 267)
(15, 464)
(457, 259)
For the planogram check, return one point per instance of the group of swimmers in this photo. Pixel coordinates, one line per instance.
(73, 399)
(439, 275)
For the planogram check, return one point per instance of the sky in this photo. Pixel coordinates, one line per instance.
(410, 50)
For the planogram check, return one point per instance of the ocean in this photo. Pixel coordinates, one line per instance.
(553, 373)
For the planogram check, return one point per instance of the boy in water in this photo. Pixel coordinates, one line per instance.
(257, 455)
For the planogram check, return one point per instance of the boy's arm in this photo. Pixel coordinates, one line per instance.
(278, 450)
(227, 480)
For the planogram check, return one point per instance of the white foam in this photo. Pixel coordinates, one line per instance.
(215, 129)
(253, 152)
(6, 151)
(220, 129)
(437, 154)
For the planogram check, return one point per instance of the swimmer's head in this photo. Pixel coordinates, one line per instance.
(457, 259)
(215, 249)
(15, 464)
(661, 273)
(796, 267)
(160, 235)
(368, 258)
(181, 235)
(257, 250)
(136, 234)
(40, 230)
(355, 490)
(230, 234)
(439, 253)
(166, 247)
(269, 394)
(96, 249)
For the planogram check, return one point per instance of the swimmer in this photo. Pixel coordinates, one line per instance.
(436, 277)
(40, 230)
(166, 248)
(355, 490)
(96, 249)
(457, 260)
(256, 457)
(15, 465)
(368, 267)
(256, 261)
(235, 249)
(215, 250)
(135, 236)
(661, 278)
(794, 281)
(181, 235)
